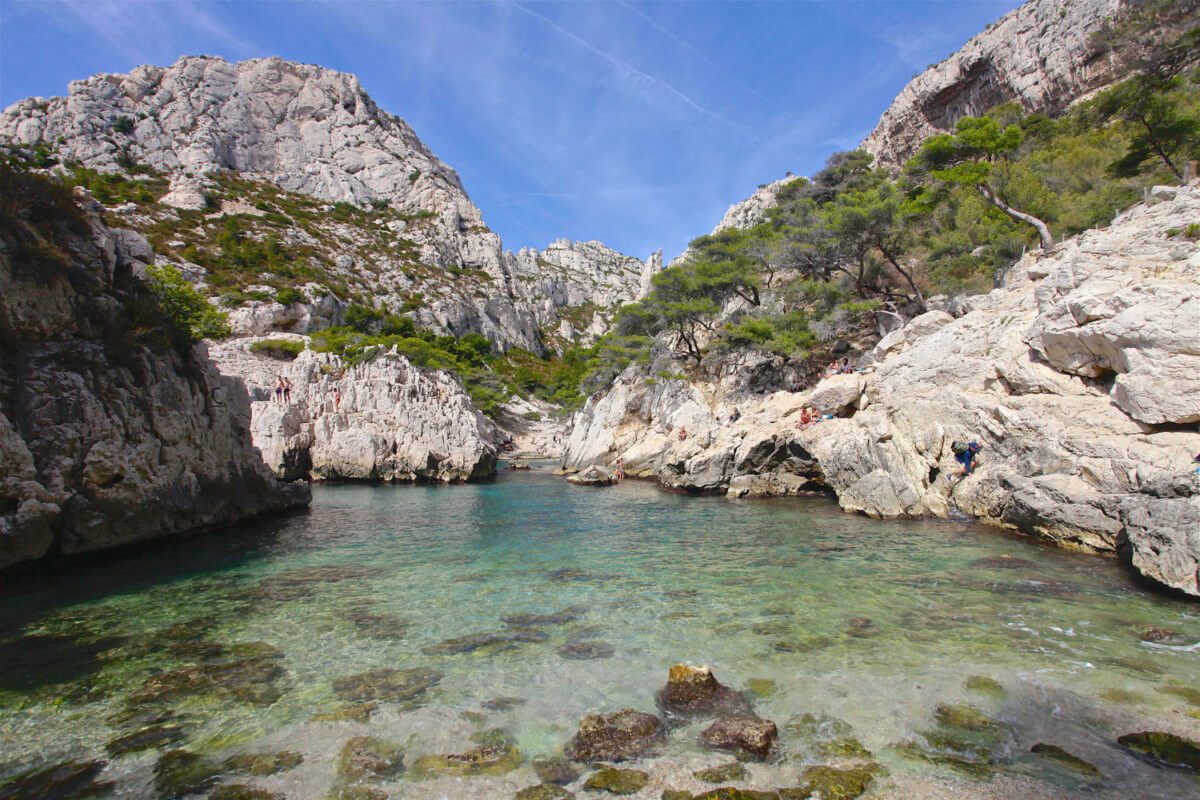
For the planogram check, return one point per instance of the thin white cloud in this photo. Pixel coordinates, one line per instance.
(638, 76)
(686, 45)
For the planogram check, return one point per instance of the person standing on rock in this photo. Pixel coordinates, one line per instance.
(337, 398)
(278, 388)
(287, 390)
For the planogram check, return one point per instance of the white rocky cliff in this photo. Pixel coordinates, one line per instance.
(1041, 55)
(1080, 377)
(110, 431)
(315, 131)
(382, 420)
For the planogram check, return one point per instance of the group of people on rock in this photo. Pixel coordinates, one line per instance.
(836, 367)
(283, 389)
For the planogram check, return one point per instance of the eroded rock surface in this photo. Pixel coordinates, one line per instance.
(381, 420)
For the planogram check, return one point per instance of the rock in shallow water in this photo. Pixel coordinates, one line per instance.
(617, 781)
(1164, 748)
(364, 759)
(695, 691)
(617, 736)
(396, 685)
(67, 780)
(747, 737)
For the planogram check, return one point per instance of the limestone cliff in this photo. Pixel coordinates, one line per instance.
(1042, 55)
(1078, 376)
(111, 430)
(382, 420)
(419, 244)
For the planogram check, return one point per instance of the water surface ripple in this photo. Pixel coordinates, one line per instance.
(532, 603)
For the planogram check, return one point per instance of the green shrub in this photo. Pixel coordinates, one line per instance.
(184, 307)
(288, 296)
(280, 349)
(123, 125)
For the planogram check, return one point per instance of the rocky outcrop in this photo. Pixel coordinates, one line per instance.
(575, 288)
(111, 431)
(1041, 55)
(1077, 376)
(746, 213)
(381, 420)
(316, 132)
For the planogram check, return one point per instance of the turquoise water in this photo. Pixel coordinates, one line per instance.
(867, 625)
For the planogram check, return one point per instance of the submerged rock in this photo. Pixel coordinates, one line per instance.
(831, 783)
(178, 773)
(69, 779)
(543, 791)
(749, 738)
(492, 642)
(730, 793)
(1164, 748)
(982, 684)
(240, 791)
(617, 736)
(695, 691)
(149, 738)
(365, 759)
(352, 712)
(503, 703)
(1057, 754)
(394, 685)
(492, 759)
(555, 770)
(586, 650)
(249, 680)
(722, 773)
(538, 620)
(617, 781)
(263, 764)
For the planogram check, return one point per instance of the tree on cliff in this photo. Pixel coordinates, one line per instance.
(977, 156)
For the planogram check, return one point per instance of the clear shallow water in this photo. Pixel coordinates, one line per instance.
(872, 623)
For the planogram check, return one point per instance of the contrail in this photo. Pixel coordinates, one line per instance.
(634, 71)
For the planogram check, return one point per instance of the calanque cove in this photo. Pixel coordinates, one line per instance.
(311, 489)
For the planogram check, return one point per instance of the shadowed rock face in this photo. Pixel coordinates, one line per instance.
(109, 433)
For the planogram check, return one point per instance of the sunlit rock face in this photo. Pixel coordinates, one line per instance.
(1080, 377)
(316, 131)
(1043, 55)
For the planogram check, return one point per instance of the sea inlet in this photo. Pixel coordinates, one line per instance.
(446, 642)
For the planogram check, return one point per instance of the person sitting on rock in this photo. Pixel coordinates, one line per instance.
(806, 418)
(845, 368)
(682, 433)
(735, 416)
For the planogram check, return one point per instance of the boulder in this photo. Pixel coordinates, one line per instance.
(594, 475)
(695, 691)
(618, 736)
(748, 737)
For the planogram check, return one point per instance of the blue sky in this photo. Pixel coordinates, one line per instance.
(634, 123)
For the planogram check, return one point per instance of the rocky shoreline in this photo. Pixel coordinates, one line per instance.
(1079, 376)
(381, 420)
